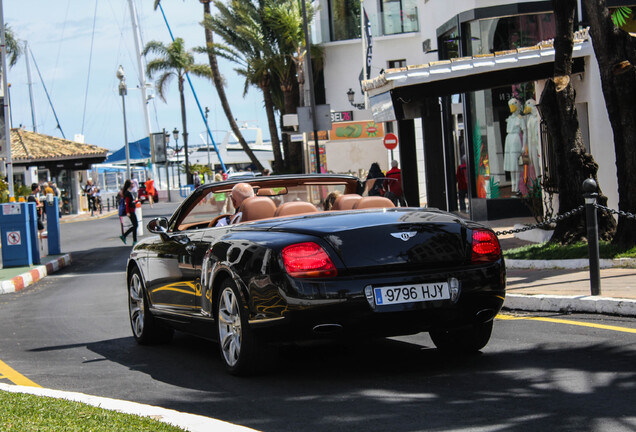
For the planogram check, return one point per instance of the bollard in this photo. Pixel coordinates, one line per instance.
(590, 195)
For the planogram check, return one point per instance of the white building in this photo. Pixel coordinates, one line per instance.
(442, 108)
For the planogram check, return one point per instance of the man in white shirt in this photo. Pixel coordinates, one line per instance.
(240, 192)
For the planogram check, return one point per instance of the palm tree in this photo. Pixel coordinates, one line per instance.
(14, 48)
(285, 20)
(218, 84)
(173, 60)
(240, 24)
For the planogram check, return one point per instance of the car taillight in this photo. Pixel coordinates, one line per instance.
(308, 260)
(485, 246)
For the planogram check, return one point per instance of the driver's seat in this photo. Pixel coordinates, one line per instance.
(257, 207)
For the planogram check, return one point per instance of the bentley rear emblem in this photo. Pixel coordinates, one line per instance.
(404, 236)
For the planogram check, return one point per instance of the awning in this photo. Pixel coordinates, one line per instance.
(466, 74)
(138, 150)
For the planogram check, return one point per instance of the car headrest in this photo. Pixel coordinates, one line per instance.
(373, 202)
(294, 208)
(345, 202)
(255, 208)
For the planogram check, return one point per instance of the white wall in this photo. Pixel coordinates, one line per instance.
(601, 136)
(344, 156)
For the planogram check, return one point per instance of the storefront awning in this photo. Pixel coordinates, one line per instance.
(466, 74)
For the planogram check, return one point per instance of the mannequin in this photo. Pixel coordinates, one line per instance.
(532, 125)
(516, 134)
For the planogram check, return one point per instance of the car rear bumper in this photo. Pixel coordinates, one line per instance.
(330, 310)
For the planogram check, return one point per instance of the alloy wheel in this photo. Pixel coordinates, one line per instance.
(136, 305)
(229, 326)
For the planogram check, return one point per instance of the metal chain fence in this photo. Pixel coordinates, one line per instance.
(545, 223)
(618, 212)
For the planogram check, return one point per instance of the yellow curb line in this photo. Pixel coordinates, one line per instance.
(562, 321)
(12, 375)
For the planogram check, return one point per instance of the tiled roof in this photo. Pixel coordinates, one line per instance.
(31, 146)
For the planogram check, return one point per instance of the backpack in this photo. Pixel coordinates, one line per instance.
(122, 207)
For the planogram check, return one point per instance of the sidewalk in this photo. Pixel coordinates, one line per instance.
(538, 286)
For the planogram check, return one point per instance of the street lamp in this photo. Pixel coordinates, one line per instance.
(122, 92)
(350, 96)
(175, 134)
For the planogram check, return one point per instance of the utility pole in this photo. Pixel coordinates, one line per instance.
(30, 83)
(6, 146)
(142, 78)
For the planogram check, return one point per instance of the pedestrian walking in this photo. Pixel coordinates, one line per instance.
(393, 185)
(196, 179)
(89, 191)
(150, 191)
(129, 206)
(462, 184)
(135, 187)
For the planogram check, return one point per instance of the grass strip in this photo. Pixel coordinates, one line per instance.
(21, 412)
(550, 251)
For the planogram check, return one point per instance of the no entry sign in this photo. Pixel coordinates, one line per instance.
(390, 141)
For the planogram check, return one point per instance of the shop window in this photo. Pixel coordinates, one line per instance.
(506, 141)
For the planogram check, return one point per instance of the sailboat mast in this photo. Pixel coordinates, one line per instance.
(142, 75)
(30, 84)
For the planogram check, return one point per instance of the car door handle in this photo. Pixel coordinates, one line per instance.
(190, 249)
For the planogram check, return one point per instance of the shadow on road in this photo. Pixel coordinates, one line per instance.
(390, 385)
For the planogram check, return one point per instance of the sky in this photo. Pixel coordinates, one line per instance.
(60, 35)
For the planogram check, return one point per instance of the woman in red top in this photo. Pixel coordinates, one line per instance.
(130, 212)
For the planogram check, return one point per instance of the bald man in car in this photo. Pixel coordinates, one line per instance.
(240, 192)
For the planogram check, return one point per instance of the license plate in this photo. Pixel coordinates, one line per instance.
(411, 293)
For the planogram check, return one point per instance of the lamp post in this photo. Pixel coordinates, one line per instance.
(166, 140)
(122, 92)
(175, 134)
(350, 95)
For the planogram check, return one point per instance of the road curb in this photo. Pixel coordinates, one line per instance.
(35, 274)
(568, 304)
(189, 422)
(572, 264)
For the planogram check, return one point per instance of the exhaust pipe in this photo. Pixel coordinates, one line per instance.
(485, 315)
(327, 329)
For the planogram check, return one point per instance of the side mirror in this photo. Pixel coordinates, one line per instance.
(158, 226)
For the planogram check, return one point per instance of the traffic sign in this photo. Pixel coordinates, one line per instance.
(13, 238)
(390, 141)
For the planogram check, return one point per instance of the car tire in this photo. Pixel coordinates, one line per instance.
(467, 340)
(144, 327)
(240, 350)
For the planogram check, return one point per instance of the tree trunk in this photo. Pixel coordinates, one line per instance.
(271, 121)
(185, 130)
(293, 155)
(558, 110)
(615, 52)
(218, 84)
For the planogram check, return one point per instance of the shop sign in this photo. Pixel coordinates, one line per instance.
(356, 130)
(341, 116)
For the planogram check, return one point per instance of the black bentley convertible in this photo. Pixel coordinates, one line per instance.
(293, 271)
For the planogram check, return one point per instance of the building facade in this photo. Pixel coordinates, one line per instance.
(463, 79)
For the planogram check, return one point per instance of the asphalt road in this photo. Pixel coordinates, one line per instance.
(70, 331)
